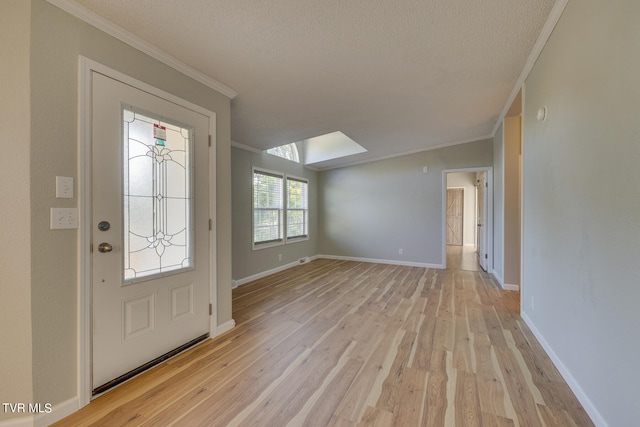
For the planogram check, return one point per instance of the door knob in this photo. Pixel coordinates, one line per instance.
(105, 247)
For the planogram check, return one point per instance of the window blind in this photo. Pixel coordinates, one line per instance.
(297, 208)
(267, 207)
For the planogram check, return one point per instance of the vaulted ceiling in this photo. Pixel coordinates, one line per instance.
(395, 76)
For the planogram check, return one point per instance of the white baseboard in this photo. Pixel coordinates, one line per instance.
(508, 287)
(24, 421)
(505, 286)
(382, 261)
(566, 374)
(58, 412)
(498, 278)
(240, 282)
(226, 326)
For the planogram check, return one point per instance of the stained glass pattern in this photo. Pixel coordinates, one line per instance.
(157, 197)
(287, 151)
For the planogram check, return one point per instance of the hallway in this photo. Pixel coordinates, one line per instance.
(462, 258)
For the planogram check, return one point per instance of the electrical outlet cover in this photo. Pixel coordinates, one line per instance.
(64, 218)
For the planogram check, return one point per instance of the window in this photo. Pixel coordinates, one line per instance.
(157, 196)
(287, 151)
(297, 208)
(273, 224)
(267, 207)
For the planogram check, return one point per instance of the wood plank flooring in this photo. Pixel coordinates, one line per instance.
(462, 258)
(340, 343)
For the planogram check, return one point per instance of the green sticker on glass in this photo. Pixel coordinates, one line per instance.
(160, 134)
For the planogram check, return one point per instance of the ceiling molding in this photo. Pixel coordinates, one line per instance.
(406, 153)
(545, 33)
(257, 151)
(245, 147)
(141, 45)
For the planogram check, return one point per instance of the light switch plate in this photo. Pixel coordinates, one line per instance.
(64, 187)
(64, 218)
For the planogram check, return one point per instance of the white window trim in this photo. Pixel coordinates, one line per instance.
(288, 239)
(258, 246)
(285, 240)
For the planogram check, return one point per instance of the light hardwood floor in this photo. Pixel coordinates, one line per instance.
(462, 258)
(344, 343)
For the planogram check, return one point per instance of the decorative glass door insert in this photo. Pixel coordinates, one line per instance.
(157, 196)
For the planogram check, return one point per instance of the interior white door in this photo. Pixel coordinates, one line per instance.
(150, 224)
(482, 220)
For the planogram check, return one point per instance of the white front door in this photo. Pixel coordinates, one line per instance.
(150, 228)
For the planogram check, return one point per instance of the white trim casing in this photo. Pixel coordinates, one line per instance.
(489, 222)
(85, 68)
(289, 240)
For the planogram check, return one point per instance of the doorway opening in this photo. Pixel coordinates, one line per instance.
(467, 219)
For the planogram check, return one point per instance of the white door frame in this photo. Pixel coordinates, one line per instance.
(85, 68)
(489, 218)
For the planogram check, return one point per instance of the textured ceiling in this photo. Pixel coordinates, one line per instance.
(396, 76)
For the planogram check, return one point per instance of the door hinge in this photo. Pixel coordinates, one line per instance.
(486, 184)
(210, 225)
(91, 247)
(486, 256)
(210, 309)
(209, 140)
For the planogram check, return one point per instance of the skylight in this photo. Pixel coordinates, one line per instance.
(287, 151)
(328, 147)
(319, 148)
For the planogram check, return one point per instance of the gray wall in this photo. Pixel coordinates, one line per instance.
(57, 39)
(511, 154)
(581, 286)
(246, 261)
(374, 209)
(498, 204)
(16, 383)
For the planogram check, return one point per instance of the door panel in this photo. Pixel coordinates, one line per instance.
(455, 209)
(150, 225)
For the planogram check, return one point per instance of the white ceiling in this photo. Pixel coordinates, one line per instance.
(395, 76)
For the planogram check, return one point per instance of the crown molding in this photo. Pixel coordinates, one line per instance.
(245, 147)
(145, 47)
(406, 153)
(545, 33)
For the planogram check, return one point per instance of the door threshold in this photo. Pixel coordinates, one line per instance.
(134, 372)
